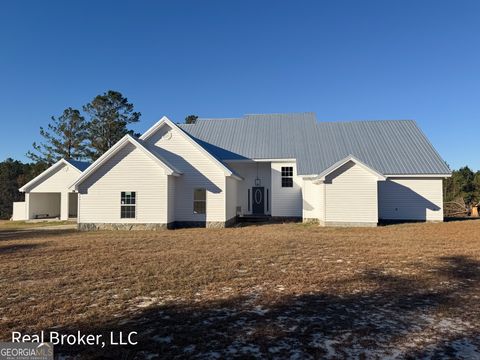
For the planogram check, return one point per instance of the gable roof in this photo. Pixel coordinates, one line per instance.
(80, 165)
(76, 165)
(342, 162)
(390, 147)
(127, 139)
(165, 120)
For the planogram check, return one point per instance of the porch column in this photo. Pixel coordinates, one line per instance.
(27, 206)
(64, 206)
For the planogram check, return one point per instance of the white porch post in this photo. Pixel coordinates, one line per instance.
(64, 206)
(27, 206)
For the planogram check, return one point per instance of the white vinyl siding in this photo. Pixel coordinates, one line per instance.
(19, 211)
(351, 195)
(128, 170)
(59, 181)
(411, 199)
(285, 201)
(312, 200)
(249, 171)
(199, 171)
(231, 198)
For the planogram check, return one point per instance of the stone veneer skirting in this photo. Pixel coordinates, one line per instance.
(149, 226)
(311, 221)
(122, 226)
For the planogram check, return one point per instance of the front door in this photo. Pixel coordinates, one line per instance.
(258, 200)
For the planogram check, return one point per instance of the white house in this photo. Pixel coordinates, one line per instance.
(277, 165)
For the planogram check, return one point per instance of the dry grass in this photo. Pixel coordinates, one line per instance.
(7, 225)
(276, 290)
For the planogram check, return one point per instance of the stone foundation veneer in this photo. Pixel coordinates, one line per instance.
(122, 226)
(174, 225)
(311, 221)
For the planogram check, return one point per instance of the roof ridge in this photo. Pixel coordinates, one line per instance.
(365, 120)
(285, 113)
(216, 119)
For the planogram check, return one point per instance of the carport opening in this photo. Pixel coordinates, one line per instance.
(44, 205)
(72, 205)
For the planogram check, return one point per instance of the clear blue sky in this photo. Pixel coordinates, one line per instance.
(344, 60)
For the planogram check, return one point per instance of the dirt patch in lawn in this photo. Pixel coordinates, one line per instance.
(261, 291)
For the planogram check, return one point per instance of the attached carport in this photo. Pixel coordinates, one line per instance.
(48, 195)
(43, 205)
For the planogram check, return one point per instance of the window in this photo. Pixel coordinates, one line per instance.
(248, 199)
(287, 176)
(199, 201)
(128, 204)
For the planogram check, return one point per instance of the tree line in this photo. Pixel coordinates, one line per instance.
(463, 188)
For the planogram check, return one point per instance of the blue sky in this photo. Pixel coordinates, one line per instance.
(344, 60)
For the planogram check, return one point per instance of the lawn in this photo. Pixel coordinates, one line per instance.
(276, 291)
(7, 225)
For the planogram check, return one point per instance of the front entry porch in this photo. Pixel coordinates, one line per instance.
(253, 192)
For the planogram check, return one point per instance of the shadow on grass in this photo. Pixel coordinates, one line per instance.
(33, 234)
(365, 324)
(465, 218)
(9, 249)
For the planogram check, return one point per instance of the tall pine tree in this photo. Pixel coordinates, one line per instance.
(110, 114)
(65, 137)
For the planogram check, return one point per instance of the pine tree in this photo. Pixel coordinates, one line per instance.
(64, 138)
(110, 114)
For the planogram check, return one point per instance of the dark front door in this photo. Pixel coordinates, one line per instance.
(258, 200)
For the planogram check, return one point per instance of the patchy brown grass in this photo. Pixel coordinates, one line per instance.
(7, 225)
(252, 291)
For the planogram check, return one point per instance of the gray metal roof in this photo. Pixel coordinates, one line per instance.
(80, 165)
(392, 147)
